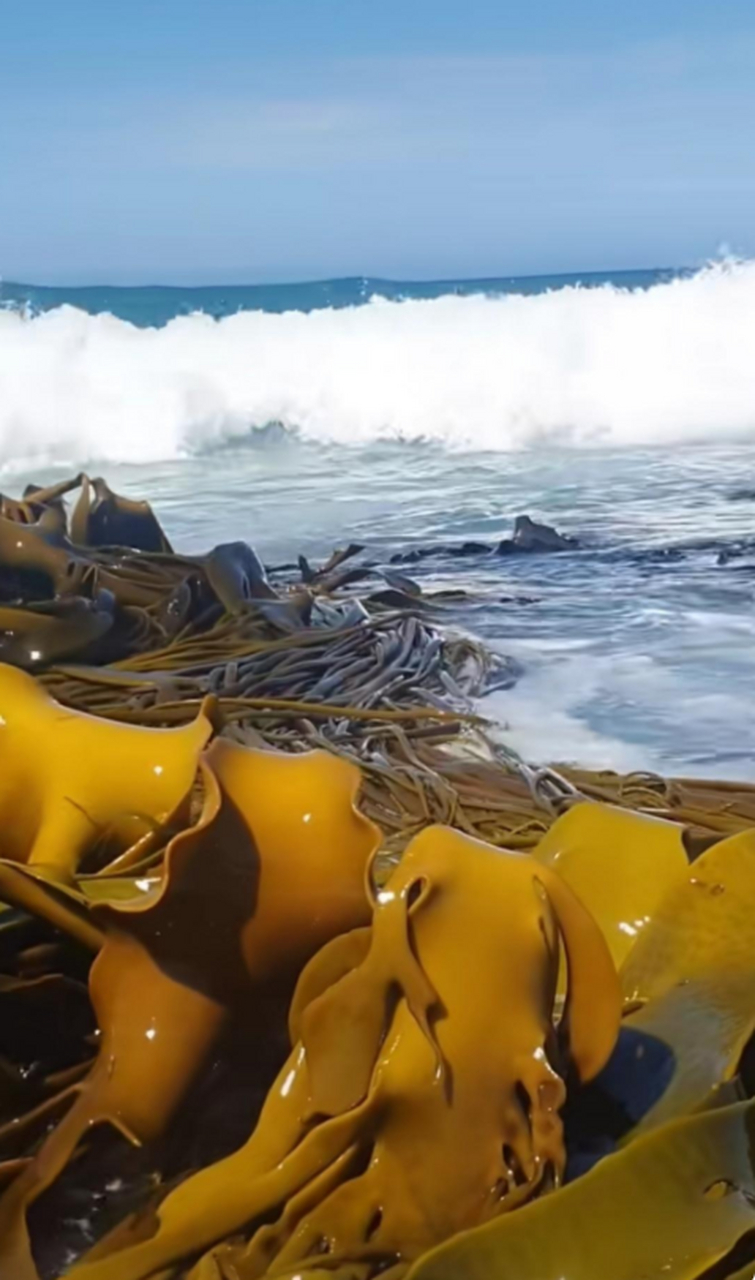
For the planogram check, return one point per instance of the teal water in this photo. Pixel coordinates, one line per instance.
(155, 305)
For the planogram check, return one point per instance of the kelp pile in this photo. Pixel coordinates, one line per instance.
(302, 973)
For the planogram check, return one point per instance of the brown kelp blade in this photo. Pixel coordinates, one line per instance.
(51, 631)
(236, 575)
(23, 887)
(106, 519)
(155, 1034)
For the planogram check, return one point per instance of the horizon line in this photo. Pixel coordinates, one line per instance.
(355, 279)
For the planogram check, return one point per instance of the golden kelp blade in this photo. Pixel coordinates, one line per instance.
(68, 778)
(705, 1024)
(156, 1030)
(314, 848)
(620, 865)
(276, 867)
(666, 1208)
(706, 922)
(244, 900)
(694, 967)
(431, 1055)
(332, 962)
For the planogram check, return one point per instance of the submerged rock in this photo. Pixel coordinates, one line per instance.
(528, 536)
(442, 549)
(470, 549)
(531, 536)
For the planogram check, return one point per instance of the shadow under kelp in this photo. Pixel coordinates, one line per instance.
(599, 1115)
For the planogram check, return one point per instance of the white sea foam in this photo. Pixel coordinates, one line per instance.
(671, 363)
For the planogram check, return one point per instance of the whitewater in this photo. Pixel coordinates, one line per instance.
(622, 412)
(576, 366)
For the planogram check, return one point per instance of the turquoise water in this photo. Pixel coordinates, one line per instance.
(156, 305)
(305, 416)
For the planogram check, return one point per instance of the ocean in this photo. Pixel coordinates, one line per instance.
(619, 408)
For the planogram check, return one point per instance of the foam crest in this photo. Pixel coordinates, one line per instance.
(671, 363)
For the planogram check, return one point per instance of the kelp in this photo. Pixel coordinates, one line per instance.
(53, 757)
(51, 631)
(303, 662)
(238, 798)
(102, 518)
(248, 879)
(416, 1114)
(694, 972)
(154, 1033)
(667, 1208)
(648, 858)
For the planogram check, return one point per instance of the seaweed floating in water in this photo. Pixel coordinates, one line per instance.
(221, 805)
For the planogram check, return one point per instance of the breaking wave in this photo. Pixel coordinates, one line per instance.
(578, 366)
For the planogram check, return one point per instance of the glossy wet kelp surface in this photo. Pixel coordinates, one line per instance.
(303, 973)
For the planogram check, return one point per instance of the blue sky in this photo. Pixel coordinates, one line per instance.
(187, 141)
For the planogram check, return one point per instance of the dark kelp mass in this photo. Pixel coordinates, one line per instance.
(303, 973)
